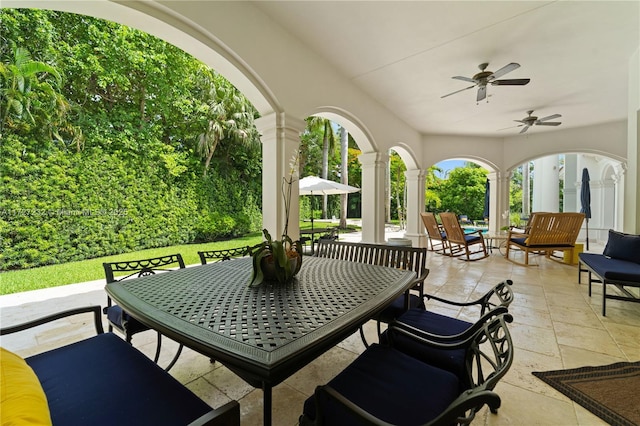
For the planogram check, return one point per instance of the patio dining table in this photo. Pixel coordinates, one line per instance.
(263, 334)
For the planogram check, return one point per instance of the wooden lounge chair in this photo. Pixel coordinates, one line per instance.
(548, 232)
(435, 232)
(459, 241)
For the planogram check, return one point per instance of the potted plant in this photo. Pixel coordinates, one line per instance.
(278, 260)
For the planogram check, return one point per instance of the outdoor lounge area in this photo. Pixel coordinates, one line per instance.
(556, 325)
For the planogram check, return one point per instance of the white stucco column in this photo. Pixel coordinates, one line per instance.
(498, 200)
(618, 179)
(415, 181)
(373, 183)
(631, 223)
(571, 202)
(280, 136)
(546, 184)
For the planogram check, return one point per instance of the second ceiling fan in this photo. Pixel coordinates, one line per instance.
(532, 120)
(484, 77)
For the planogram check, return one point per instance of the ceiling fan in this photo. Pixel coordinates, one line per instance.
(532, 120)
(484, 77)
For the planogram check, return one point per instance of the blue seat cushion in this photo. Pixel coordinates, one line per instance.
(390, 385)
(470, 239)
(523, 242)
(612, 269)
(397, 308)
(105, 381)
(431, 322)
(122, 320)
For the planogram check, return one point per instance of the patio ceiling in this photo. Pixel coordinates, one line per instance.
(405, 53)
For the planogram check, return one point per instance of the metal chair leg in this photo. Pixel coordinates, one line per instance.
(158, 345)
(175, 359)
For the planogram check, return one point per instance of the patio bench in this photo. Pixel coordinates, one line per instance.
(101, 380)
(395, 256)
(619, 265)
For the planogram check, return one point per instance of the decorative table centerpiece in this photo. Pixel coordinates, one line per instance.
(278, 260)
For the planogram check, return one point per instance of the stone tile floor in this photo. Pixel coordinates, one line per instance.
(556, 326)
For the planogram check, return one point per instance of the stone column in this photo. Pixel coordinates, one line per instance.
(571, 201)
(415, 181)
(498, 200)
(280, 136)
(546, 184)
(631, 222)
(619, 186)
(373, 202)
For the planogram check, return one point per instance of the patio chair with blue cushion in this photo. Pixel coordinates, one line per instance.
(386, 386)
(459, 241)
(446, 328)
(120, 271)
(435, 232)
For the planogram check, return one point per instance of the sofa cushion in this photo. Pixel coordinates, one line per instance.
(611, 269)
(105, 381)
(623, 246)
(23, 399)
(420, 391)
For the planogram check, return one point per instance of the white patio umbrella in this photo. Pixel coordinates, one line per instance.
(313, 185)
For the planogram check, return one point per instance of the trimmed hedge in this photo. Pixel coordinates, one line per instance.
(58, 206)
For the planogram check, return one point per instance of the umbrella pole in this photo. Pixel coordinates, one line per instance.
(587, 234)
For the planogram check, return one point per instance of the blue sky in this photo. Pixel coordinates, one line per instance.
(448, 165)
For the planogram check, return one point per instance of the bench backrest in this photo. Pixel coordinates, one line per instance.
(401, 257)
(554, 229)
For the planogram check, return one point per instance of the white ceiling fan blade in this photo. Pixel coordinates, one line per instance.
(502, 71)
(548, 123)
(458, 77)
(551, 117)
(458, 91)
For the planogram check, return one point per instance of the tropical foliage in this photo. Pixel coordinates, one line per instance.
(106, 135)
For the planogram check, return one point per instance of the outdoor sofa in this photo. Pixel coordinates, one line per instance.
(101, 380)
(618, 265)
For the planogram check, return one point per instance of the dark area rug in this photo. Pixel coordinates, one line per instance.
(611, 392)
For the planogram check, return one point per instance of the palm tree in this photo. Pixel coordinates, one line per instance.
(229, 116)
(344, 174)
(26, 93)
(328, 145)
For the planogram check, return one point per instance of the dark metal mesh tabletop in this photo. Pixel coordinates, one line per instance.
(213, 306)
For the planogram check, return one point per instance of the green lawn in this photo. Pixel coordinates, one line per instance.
(91, 269)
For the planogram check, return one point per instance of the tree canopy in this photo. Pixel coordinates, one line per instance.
(106, 135)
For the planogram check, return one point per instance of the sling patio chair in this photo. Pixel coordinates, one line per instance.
(436, 233)
(459, 241)
(121, 271)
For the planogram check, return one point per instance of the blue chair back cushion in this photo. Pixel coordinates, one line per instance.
(390, 385)
(396, 308)
(97, 382)
(623, 246)
(122, 320)
(431, 322)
